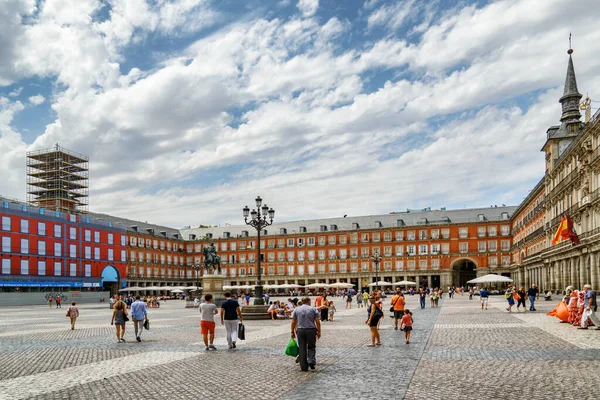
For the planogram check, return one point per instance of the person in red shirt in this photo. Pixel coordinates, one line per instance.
(406, 325)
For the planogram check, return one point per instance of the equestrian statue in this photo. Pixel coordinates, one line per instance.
(211, 259)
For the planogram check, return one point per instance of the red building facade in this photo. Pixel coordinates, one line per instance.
(42, 248)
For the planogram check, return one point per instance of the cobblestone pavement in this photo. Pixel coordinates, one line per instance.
(456, 349)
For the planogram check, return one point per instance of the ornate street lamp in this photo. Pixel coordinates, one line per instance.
(260, 218)
(198, 268)
(376, 258)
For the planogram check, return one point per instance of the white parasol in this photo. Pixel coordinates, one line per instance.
(343, 285)
(380, 283)
(489, 278)
(131, 289)
(404, 283)
(316, 285)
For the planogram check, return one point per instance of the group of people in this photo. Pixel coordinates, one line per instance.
(231, 318)
(520, 295)
(58, 301)
(578, 308)
(280, 309)
(307, 318)
(120, 316)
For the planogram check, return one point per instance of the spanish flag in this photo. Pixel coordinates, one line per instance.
(565, 231)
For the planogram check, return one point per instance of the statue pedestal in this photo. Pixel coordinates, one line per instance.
(213, 284)
(255, 312)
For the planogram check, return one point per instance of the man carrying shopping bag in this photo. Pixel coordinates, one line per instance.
(230, 312)
(306, 326)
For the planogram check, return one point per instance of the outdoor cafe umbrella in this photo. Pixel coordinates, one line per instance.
(316, 285)
(340, 285)
(380, 283)
(272, 286)
(490, 278)
(152, 288)
(289, 286)
(131, 289)
(176, 291)
(404, 283)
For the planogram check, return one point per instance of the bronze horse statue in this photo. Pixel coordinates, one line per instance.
(211, 259)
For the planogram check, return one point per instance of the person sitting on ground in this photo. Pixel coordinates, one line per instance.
(289, 309)
(281, 313)
(548, 296)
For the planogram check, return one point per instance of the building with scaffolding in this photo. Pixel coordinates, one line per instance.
(57, 179)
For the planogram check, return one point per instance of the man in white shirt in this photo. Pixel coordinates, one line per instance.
(208, 310)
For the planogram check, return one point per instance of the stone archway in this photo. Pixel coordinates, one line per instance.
(463, 270)
(110, 279)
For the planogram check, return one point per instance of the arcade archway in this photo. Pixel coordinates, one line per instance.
(463, 270)
(110, 279)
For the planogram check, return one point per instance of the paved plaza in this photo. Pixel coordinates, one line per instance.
(456, 351)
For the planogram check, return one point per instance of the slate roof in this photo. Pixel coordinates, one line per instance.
(411, 218)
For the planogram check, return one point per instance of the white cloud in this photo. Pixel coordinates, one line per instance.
(392, 15)
(37, 99)
(12, 149)
(308, 8)
(16, 92)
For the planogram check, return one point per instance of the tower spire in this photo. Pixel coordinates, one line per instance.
(571, 96)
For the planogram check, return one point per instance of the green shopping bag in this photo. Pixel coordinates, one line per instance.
(292, 348)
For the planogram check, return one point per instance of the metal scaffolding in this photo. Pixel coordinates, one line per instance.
(58, 179)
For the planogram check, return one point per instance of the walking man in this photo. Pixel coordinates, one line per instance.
(306, 326)
(534, 294)
(398, 305)
(139, 315)
(58, 300)
(590, 306)
(484, 297)
(230, 311)
(208, 310)
(422, 296)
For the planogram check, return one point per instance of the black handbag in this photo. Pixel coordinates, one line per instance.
(241, 332)
(125, 318)
(147, 324)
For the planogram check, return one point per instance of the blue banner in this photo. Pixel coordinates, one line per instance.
(41, 284)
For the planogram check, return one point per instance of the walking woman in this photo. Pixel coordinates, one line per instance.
(324, 309)
(509, 298)
(119, 317)
(375, 314)
(50, 301)
(73, 313)
(520, 297)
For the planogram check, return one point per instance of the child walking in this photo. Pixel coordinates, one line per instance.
(406, 324)
(332, 310)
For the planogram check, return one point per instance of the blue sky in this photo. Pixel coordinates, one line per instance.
(188, 109)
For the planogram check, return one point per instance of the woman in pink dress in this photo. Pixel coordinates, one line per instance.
(573, 307)
(580, 298)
